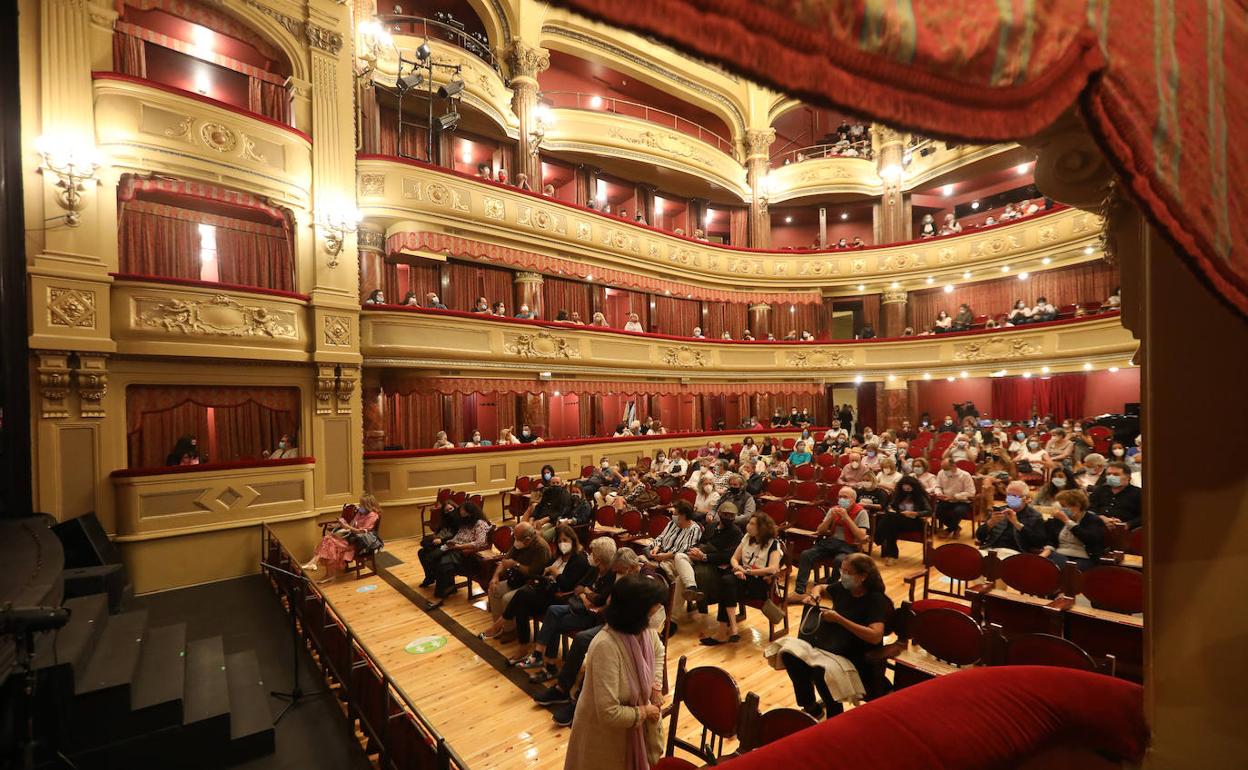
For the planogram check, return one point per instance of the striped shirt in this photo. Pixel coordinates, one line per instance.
(673, 539)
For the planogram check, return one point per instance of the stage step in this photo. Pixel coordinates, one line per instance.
(108, 579)
(160, 682)
(104, 682)
(206, 705)
(251, 722)
(75, 642)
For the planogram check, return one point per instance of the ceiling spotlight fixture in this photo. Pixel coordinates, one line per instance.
(1005, 268)
(1026, 375)
(1046, 260)
(1044, 370)
(451, 88)
(892, 378)
(422, 51)
(857, 379)
(963, 375)
(1087, 367)
(1021, 168)
(448, 122)
(1113, 369)
(948, 288)
(966, 276)
(1024, 276)
(947, 191)
(927, 375)
(862, 287)
(595, 102)
(410, 82)
(844, 215)
(931, 279)
(894, 285)
(975, 205)
(788, 220)
(1088, 250)
(950, 379)
(556, 394)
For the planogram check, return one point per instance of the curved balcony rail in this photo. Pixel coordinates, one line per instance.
(435, 29)
(860, 149)
(417, 337)
(409, 196)
(576, 100)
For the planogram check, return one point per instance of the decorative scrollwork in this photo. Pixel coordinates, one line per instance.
(541, 345)
(995, 348)
(820, 359)
(337, 331)
(218, 316)
(684, 355)
(74, 308)
(219, 137)
(372, 184)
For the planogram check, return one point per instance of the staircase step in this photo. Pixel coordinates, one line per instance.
(207, 692)
(161, 677)
(75, 642)
(251, 722)
(112, 663)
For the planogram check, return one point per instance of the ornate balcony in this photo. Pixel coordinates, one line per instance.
(149, 127)
(412, 196)
(414, 337)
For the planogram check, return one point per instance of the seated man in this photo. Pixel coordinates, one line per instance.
(954, 490)
(681, 534)
(1017, 527)
(527, 436)
(845, 524)
(547, 510)
(736, 493)
(525, 559)
(1117, 499)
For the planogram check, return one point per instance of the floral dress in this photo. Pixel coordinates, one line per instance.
(335, 549)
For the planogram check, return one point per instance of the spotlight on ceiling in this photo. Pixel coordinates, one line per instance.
(410, 82)
(448, 122)
(452, 88)
(975, 205)
(947, 191)
(422, 51)
(844, 215)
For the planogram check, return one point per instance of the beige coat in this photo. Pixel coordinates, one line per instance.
(601, 727)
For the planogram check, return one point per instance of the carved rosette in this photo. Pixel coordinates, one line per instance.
(73, 308)
(541, 345)
(493, 207)
(372, 184)
(54, 377)
(820, 359)
(995, 348)
(684, 355)
(220, 316)
(337, 331)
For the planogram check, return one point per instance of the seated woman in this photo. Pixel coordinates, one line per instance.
(656, 427)
(963, 320)
(411, 299)
(747, 336)
(887, 477)
(440, 441)
(1075, 534)
(800, 454)
(562, 315)
(1060, 480)
(1059, 450)
(756, 559)
(582, 610)
(943, 323)
(1019, 314)
(339, 545)
(575, 319)
(621, 430)
(498, 309)
(634, 323)
(554, 585)
(928, 227)
(726, 335)
(185, 452)
(286, 449)
(906, 508)
(950, 226)
(697, 333)
(375, 297)
(707, 499)
(476, 441)
(832, 659)
(1114, 299)
(507, 438)
(599, 320)
(442, 559)
(1031, 458)
(749, 451)
(995, 460)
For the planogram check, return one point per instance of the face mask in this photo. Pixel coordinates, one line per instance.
(546, 476)
(1014, 501)
(281, 445)
(606, 465)
(1119, 452)
(845, 502)
(1033, 445)
(1059, 482)
(848, 582)
(1020, 436)
(854, 464)
(524, 433)
(1114, 481)
(1068, 513)
(565, 547)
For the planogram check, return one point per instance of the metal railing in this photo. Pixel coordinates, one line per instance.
(387, 714)
(418, 26)
(857, 149)
(576, 100)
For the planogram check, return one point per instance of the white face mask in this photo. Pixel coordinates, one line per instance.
(1119, 452)
(565, 547)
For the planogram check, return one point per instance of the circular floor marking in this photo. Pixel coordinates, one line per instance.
(425, 644)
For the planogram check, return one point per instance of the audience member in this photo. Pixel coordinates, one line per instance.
(927, 229)
(756, 560)
(432, 301)
(442, 558)
(710, 559)
(440, 441)
(354, 531)
(950, 226)
(1117, 500)
(598, 320)
(844, 525)
(954, 491)
(581, 611)
(185, 452)
(634, 323)
(1017, 527)
(906, 511)
(524, 561)
(964, 319)
(375, 297)
(284, 450)
(498, 309)
(1074, 534)
(482, 306)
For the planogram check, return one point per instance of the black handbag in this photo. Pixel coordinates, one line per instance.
(365, 543)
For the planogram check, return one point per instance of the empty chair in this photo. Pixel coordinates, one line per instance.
(1047, 650)
(758, 730)
(712, 698)
(960, 563)
(1117, 589)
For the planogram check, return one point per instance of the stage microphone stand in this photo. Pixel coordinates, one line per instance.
(294, 598)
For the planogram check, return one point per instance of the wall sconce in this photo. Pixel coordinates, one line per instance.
(373, 41)
(72, 167)
(335, 225)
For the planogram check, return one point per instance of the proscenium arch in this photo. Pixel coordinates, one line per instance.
(581, 41)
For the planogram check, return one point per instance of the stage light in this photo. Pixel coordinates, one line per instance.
(1088, 250)
(788, 220)
(862, 287)
(1024, 276)
(1113, 369)
(452, 88)
(927, 375)
(595, 102)
(963, 374)
(448, 122)
(974, 205)
(931, 279)
(410, 82)
(1087, 367)
(950, 379)
(422, 51)
(947, 191)
(857, 379)
(967, 275)
(1026, 375)
(1044, 370)
(1046, 260)
(1021, 168)
(844, 215)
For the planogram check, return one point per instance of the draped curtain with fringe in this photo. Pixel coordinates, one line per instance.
(420, 278)
(469, 281)
(797, 318)
(247, 420)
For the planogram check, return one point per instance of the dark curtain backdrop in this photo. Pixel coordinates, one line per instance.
(565, 294)
(1012, 398)
(1061, 395)
(738, 227)
(129, 55)
(247, 420)
(413, 144)
(249, 258)
(676, 316)
(156, 245)
(1087, 282)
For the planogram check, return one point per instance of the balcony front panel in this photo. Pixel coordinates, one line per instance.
(146, 127)
(618, 136)
(414, 196)
(462, 341)
(824, 176)
(484, 89)
(207, 320)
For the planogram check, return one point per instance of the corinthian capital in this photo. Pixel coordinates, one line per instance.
(525, 60)
(758, 142)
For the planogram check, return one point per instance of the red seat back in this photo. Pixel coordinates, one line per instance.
(587, 471)
(831, 475)
(712, 697)
(1046, 650)
(501, 538)
(666, 494)
(825, 460)
(1031, 574)
(656, 523)
(459, 497)
(843, 460)
(807, 490)
(777, 510)
(967, 466)
(443, 493)
(957, 560)
(779, 723)
(630, 521)
(788, 443)
(915, 450)
(1117, 589)
(1135, 542)
(949, 635)
(688, 495)
(606, 516)
(478, 500)
(809, 517)
(778, 488)
(804, 472)
(524, 484)
(643, 464)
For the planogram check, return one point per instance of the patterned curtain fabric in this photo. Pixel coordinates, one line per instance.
(797, 318)
(129, 55)
(207, 16)
(1158, 85)
(247, 420)
(1077, 284)
(1011, 398)
(419, 278)
(564, 294)
(676, 316)
(268, 99)
(152, 244)
(250, 258)
(1061, 396)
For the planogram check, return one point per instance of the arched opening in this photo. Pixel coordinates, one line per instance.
(452, 21)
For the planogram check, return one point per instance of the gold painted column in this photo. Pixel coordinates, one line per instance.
(757, 144)
(529, 292)
(892, 313)
(371, 242)
(760, 320)
(890, 213)
(525, 63)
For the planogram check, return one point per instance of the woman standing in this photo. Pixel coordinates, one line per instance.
(617, 723)
(336, 548)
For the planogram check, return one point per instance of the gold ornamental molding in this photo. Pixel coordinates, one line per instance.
(893, 296)
(541, 345)
(419, 198)
(995, 349)
(684, 355)
(219, 316)
(820, 359)
(54, 376)
(337, 331)
(71, 308)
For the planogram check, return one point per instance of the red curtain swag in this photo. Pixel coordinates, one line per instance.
(1158, 85)
(244, 421)
(448, 385)
(132, 184)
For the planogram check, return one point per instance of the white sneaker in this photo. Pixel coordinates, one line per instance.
(311, 566)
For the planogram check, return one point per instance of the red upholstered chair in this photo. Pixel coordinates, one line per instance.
(1035, 711)
(688, 495)
(825, 460)
(711, 696)
(777, 489)
(736, 447)
(633, 523)
(587, 471)
(1135, 541)
(674, 763)
(804, 472)
(644, 463)
(948, 635)
(788, 444)
(426, 509)
(515, 501)
(1117, 589)
(831, 475)
(606, 523)
(805, 493)
(1030, 574)
(843, 460)
(1047, 650)
(761, 729)
(960, 563)
(666, 495)
(915, 450)
(800, 534)
(479, 566)
(459, 497)
(967, 466)
(778, 511)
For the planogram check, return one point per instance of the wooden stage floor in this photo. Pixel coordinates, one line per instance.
(488, 716)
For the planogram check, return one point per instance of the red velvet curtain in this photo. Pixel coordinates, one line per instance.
(413, 145)
(1061, 396)
(797, 318)
(129, 55)
(420, 277)
(468, 281)
(732, 317)
(1012, 398)
(151, 244)
(676, 316)
(618, 303)
(1086, 282)
(268, 99)
(247, 420)
(871, 312)
(739, 227)
(414, 419)
(565, 294)
(257, 256)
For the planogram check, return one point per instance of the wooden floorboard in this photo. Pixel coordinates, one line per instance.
(488, 719)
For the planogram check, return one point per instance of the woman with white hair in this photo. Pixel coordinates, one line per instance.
(581, 611)
(1093, 471)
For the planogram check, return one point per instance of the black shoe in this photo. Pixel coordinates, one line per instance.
(741, 616)
(543, 674)
(695, 594)
(815, 710)
(563, 715)
(552, 696)
(428, 582)
(709, 641)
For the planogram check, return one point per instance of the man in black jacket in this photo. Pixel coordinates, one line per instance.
(1017, 527)
(1117, 499)
(549, 509)
(712, 554)
(1076, 534)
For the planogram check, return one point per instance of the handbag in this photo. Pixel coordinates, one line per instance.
(365, 543)
(772, 611)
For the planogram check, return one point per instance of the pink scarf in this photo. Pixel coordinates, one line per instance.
(640, 651)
